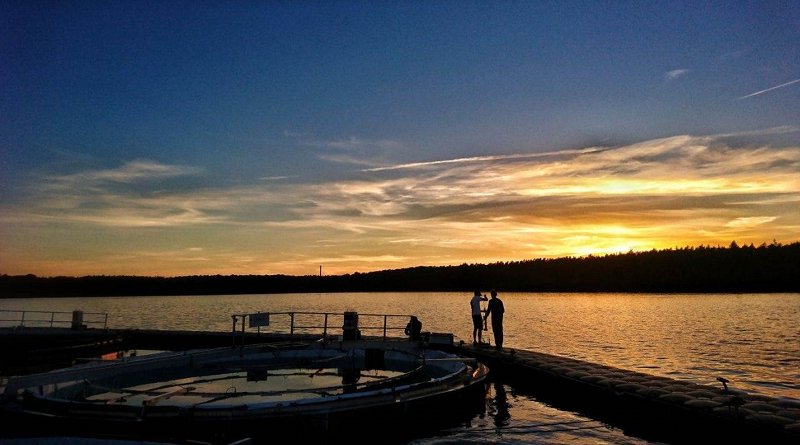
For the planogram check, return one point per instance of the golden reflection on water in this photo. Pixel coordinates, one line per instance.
(751, 339)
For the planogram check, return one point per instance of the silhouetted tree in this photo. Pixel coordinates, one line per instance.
(766, 268)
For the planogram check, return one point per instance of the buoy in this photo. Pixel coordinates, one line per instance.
(787, 403)
(611, 382)
(577, 374)
(790, 413)
(629, 387)
(651, 392)
(593, 378)
(703, 393)
(678, 388)
(732, 411)
(656, 383)
(771, 419)
(702, 403)
(676, 398)
(636, 379)
(760, 406)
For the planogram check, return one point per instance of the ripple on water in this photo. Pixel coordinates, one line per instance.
(517, 417)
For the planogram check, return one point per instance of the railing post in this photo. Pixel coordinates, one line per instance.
(291, 325)
(233, 331)
(52, 316)
(244, 319)
(105, 321)
(325, 326)
(22, 320)
(384, 326)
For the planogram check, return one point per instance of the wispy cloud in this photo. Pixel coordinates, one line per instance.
(276, 178)
(791, 82)
(132, 195)
(783, 129)
(365, 152)
(134, 171)
(358, 151)
(354, 143)
(682, 190)
(676, 74)
(750, 221)
(347, 158)
(475, 159)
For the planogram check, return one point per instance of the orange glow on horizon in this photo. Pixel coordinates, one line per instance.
(674, 192)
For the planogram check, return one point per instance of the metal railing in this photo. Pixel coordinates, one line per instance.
(50, 318)
(306, 322)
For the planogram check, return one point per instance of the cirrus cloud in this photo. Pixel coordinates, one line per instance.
(676, 74)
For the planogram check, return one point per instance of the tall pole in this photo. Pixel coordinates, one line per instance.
(320, 270)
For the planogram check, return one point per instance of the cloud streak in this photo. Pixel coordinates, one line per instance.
(757, 93)
(353, 150)
(134, 171)
(676, 74)
(474, 159)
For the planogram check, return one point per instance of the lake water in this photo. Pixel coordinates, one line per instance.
(753, 340)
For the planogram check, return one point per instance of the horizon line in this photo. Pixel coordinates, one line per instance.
(605, 255)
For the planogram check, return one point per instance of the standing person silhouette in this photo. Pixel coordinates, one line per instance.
(496, 309)
(477, 323)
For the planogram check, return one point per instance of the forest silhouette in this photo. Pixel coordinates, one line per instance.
(734, 269)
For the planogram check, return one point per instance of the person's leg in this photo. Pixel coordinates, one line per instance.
(497, 328)
(499, 340)
(477, 326)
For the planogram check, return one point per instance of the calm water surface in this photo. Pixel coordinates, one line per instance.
(751, 339)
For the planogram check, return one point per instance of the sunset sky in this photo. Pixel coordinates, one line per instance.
(185, 137)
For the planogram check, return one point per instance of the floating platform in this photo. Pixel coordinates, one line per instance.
(654, 407)
(304, 390)
(646, 405)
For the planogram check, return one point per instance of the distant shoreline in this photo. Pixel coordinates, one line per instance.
(770, 268)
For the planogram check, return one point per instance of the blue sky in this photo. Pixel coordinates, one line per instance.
(127, 101)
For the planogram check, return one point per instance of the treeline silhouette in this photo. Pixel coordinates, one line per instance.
(766, 268)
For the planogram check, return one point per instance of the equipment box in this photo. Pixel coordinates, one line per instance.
(440, 338)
